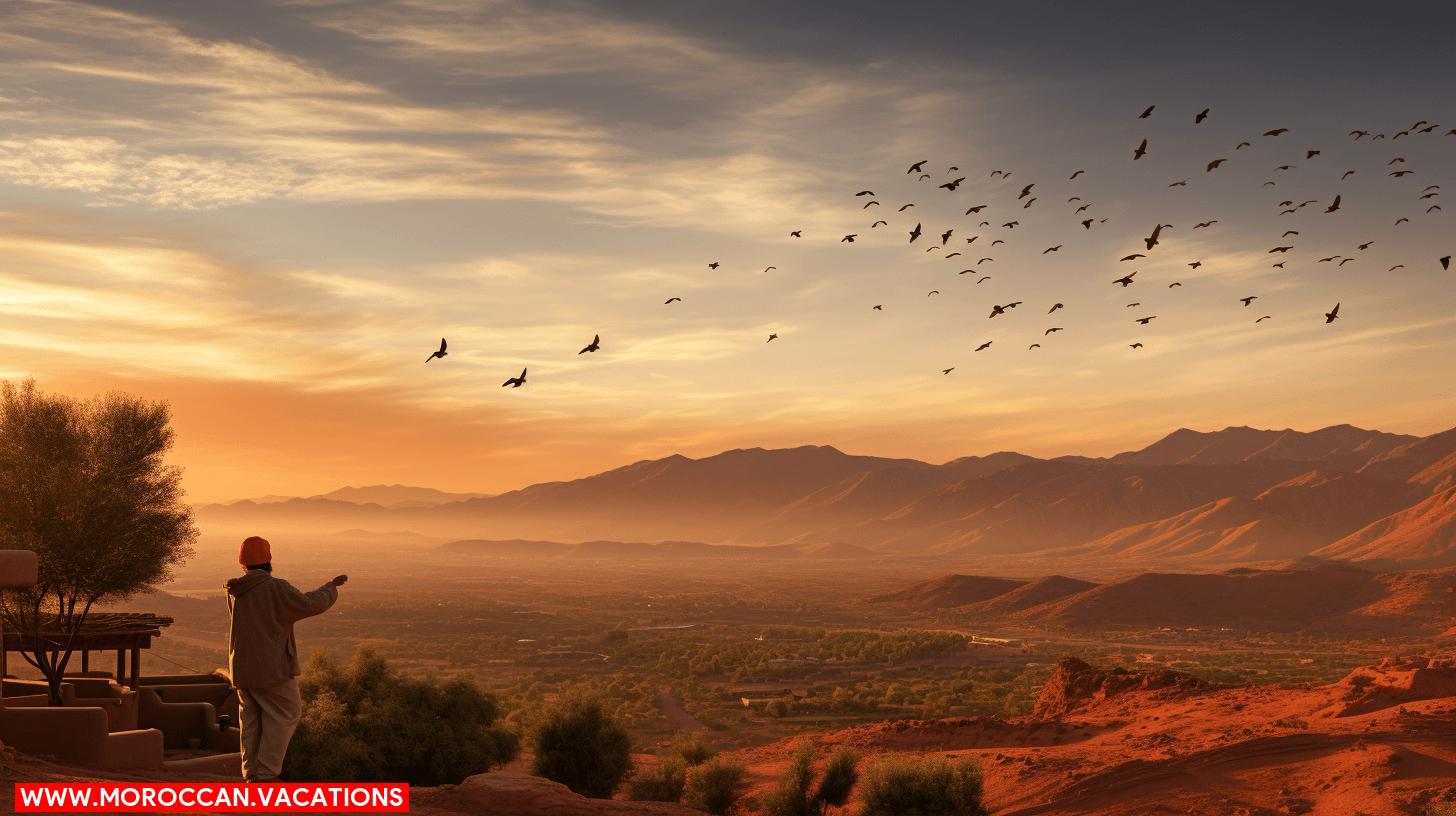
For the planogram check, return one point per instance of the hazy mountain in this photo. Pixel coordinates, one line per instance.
(1339, 445)
(950, 591)
(398, 495)
(1410, 460)
(1424, 534)
(1041, 591)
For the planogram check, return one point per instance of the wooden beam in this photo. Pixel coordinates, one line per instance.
(120, 666)
(136, 667)
(85, 661)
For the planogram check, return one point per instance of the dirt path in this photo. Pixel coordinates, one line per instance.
(674, 712)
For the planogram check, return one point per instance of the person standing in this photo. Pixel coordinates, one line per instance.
(263, 658)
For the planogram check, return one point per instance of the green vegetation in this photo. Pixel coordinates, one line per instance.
(579, 744)
(924, 786)
(365, 723)
(690, 746)
(714, 786)
(796, 794)
(666, 784)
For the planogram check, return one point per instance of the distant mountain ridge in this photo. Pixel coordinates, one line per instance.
(1238, 495)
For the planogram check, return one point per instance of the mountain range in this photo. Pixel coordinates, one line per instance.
(1191, 499)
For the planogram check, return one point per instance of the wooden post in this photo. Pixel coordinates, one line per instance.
(120, 666)
(19, 569)
(136, 667)
(85, 661)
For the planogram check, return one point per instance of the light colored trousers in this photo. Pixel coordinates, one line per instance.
(269, 716)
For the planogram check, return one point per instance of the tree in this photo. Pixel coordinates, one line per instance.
(577, 743)
(928, 785)
(796, 794)
(363, 722)
(714, 786)
(83, 484)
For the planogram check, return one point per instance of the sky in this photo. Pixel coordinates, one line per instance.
(268, 214)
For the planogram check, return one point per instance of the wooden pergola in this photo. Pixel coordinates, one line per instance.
(100, 632)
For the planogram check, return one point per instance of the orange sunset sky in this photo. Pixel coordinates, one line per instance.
(269, 213)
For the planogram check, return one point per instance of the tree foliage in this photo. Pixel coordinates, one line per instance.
(924, 786)
(579, 744)
(363, 722)
(714, 786)
(665, 784)
(83, 485)
(797, 795)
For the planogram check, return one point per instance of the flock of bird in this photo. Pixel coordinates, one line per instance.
(1028, 196)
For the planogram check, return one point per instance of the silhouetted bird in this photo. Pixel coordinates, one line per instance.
(951, 185)
(1130, 257)
(1280, 265)
(1309, 154)
(1183, 183)
(440, 353)
(1427, 195)
(976, 209)
(869, 204)
(983, 260)
(952, 255)
(1358, 133)
(915, 233)
(1284, 167)
(932, 292)
(1087, 223)
(1342, 263)
(1027, 204)
(945, 236)
(1136, 345)
(1280, 249)
(1262, 319)
(1347, 172)
(904, 208)
(1327, 260)
(1243, 144)
(866, 192)
(1366, 244)
(1152, 240)
(1011, 224)
(1332, 314)
(1032, 346)
(516, 382)
(1445, 262)
(1402, 173)
(1289, 232)
(1052, 329)
(1081, 208)
(1204, 224)
(1149, 112)
(796, 233)
(1248, 299)
(596, 343)
(771, 338)
(877, 223)
(849, 238)
(1200, 117)
(1397, 266)
(1025, 191)
(1196, 264)
(1144, 320)
(1334, 206)
(1397, 223)
(713, 265)
(1051, 249)
(984, 345)
(1125, 280)
(1213, 164)
(1130, 305)
(948, 370)
(1174, 283)
(915, 168)
(1277, 131)
(1074, 175)
(1142, 148)
(986, 278)
(877, 307)
(1394, 160)
(669, 300)
(771, 267)
(1433, 207)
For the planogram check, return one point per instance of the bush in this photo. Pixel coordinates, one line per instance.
(666, 784)
(1441, 809)
(691, 748)
(796, 795)
(618, 634)
(927, 786)
(365, 723)
(778, 709)
(714, 786)
(580, 745)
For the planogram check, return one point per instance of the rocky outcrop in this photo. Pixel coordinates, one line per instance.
(506, 793)
(1075, 684)
(1394, 682)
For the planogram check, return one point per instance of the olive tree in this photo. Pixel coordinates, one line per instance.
(83, 485)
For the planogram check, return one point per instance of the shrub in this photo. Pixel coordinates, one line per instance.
(616, 635)
(714, 786)
(927, 786)
(691, 748)
(1441, 809)
(580, 745)
(365, 723)
(666, 784)
(778, 709)
(796, 794)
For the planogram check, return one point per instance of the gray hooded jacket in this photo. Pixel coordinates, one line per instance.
(263, 609)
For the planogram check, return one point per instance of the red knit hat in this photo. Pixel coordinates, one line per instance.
(255, 551)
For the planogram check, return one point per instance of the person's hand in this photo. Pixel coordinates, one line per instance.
(339, 581)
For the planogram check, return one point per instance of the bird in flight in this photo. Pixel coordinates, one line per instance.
(867, 206)
(924, 177)
(1394, 160)
(984, 345)
(1081, 208)
(945, 236)
(1200, 117)
(904, 208)
(440, 353)
(1205, 224)
(1397, 266)
(994, 172)
(1289, 232)
(596, 343)
(1011, 224)
(877, 223)
(1358, 133)
(1174, 283)
(1051, 249)
(1284, 167)
(1400, 173)
(995, 310)
(1052, 329)
(1032, 346)
(1309, 154)
(1027, 204)
(1087, 223)
(915, 168)
(986, 278)
(1248, 299)
(1332, 314)
(983, 260)
(1400, 134)
(1432, 187)
(1025, 191)
(1326, 260)
(516, 382)
(997, 241)
(1433, 207)
(1136, 345)
(1149, 112)
(713, 265)
(951, 185)
(1427, 129)
(1280, 249)
(1280, 265)
(1445, 262)
(1243, 144)
(1142, 148)
(1347, 172)
(1144, 320)
(771, 338)
(1152, 240)
(915, 233)
(1130, 257)
(849, 238)
(1270, 184)
(1311, 201)
(1213, 164)
(1074, 175)
(1055, 306)
(771, 267)
(952, 255)
(1277, 131)
(1130, 305)
(972, 239)
(932, 292)
(865, 192)
(1426, 196)
(877, 307)
(1126, 279)
(1196, 264)
(948, 370)
(1183, 183)
(1366, 244)
(1334, 206)
(976, 209)
(1342, 263)
(669, 300)
(797, 233)
(1262, 319)
(1398, 222)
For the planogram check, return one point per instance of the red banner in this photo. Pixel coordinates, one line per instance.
(118, 797)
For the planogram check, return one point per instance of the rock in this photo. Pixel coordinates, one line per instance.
(506, 793)
(1075, 684)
